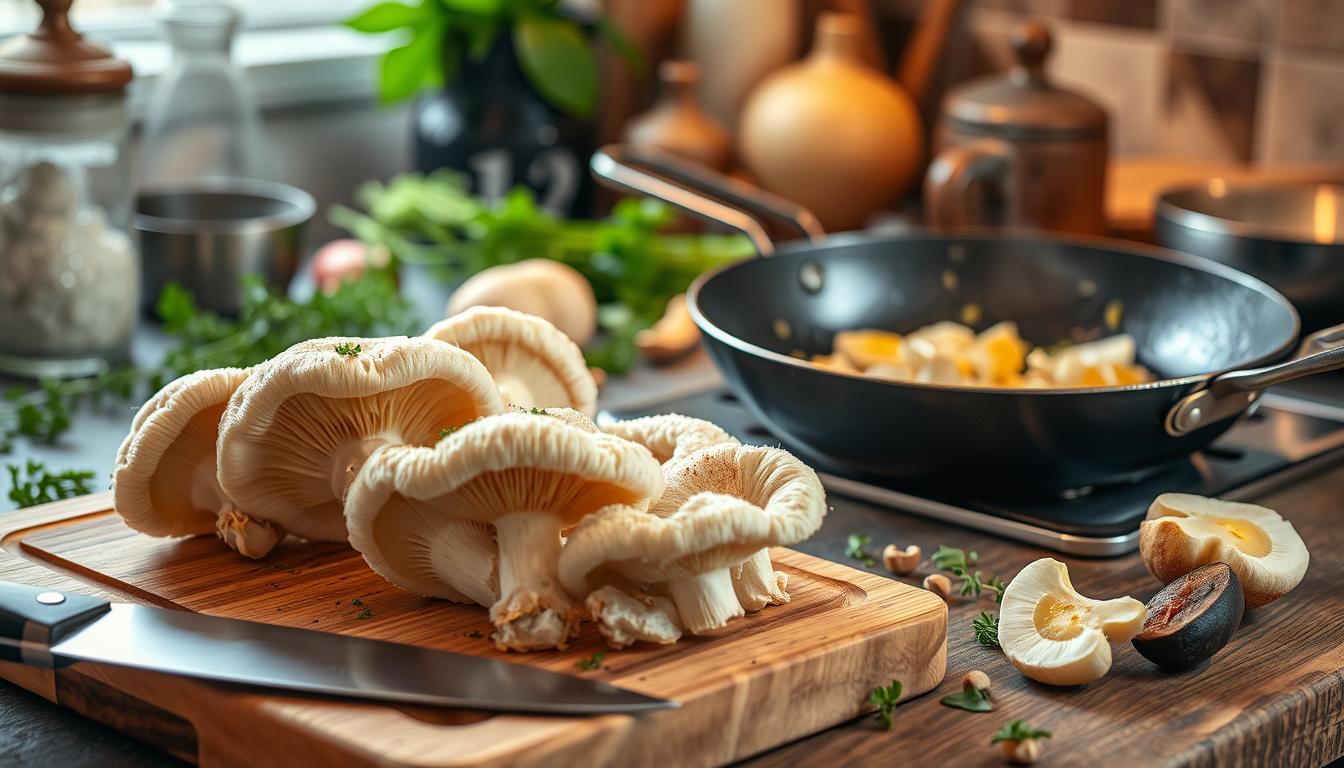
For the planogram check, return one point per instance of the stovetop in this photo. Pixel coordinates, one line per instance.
(1292, 433)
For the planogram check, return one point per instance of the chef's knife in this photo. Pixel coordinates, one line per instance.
(52, 629)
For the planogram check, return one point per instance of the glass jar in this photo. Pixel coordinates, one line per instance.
(69, 274)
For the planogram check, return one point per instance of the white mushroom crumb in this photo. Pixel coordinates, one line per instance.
(623, 619)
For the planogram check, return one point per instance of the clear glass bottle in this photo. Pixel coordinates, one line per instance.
(202, 119)
(69, 273)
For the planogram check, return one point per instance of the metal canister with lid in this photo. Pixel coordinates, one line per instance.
(1018, 151)
(69, 275)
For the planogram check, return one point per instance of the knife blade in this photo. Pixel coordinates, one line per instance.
(52, 629)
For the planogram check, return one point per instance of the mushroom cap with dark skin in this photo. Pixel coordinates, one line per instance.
(297, 431)
(1192, 618)
(534, 363)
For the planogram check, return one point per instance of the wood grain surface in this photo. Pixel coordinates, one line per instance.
(1273, 697)
(771, 678)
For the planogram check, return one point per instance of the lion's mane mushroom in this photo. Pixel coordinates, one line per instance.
(672, 437)
(530, 476)
(164, 482)
(668, 436)
(299, 429)
(722, 505)
(534, 364)
(764, 477)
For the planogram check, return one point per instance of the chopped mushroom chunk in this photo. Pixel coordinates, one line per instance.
(298, 430)
(164, 482)
(758, 584)
(534, 364)
(623, 619)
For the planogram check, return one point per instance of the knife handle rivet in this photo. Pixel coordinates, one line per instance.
(51, 598)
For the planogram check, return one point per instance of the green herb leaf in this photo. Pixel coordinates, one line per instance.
(885, 699)
(481, 7)
(857, 548)
(535, 411)
(1018, 730)
(948, 558)
(623, 46)
(970, 700)
(356, 601)
(591, 662)
(367, 613)
(347, 349)
(385, 17)
(986, 627)
(472, 633)
(558, 63)
(404, 69)
(32, 483)
(998, 586)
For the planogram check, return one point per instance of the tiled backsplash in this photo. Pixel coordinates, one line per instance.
(1249, 81)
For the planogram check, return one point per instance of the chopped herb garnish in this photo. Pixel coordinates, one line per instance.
(32, 483)
(367, 613)
(472, 633)
(349, 350)
(535, 411)
(958, 562)
(356, 601)
(971, 700)
(885, 698)
(285, 568)
(998, 585)
(591, 662)
(1018, 730)
(857, 548)
(986, 627)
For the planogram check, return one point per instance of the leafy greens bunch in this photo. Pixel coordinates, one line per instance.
(552, 50)
(633, 266)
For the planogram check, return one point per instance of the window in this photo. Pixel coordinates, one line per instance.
(128, 19)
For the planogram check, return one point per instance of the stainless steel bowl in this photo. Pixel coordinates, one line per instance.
(1289, 234)
(208, 234)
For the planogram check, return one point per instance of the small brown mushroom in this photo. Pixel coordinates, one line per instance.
(975, 680)
(939, 585)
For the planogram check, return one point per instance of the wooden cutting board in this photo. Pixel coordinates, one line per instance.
(772, 677)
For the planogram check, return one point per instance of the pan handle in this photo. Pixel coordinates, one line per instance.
(1229, 394)
(702, 192)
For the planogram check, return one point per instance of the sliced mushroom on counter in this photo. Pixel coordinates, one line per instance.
(534, 364)
(669, 436)
(722, 505)
(164, 482)
(299, 429)
(530, 477)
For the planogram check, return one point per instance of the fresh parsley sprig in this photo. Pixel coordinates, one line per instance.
(969, 699)
(986, 627)
(885, 699)
(32, 483)
(958, 562)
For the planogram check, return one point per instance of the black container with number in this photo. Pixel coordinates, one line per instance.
(491, 125)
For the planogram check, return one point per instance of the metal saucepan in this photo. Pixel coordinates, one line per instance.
(1289, 234)
(1211, 333)
(207, 235)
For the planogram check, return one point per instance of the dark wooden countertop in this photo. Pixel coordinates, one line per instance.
(1274, 696)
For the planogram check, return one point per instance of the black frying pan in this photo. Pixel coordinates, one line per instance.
(1190, 318)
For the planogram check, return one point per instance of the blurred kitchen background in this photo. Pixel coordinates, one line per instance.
(1245, 82)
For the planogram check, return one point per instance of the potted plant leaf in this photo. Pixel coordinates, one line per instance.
(505, 91)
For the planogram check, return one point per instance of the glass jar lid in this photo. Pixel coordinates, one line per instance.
(1024, 104)
(54, 59)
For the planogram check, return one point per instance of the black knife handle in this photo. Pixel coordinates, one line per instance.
(33, 619)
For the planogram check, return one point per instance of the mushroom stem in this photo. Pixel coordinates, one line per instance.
(464, 558)
(532, 612)
(706, 602)
(246, 535)
(758, 584)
